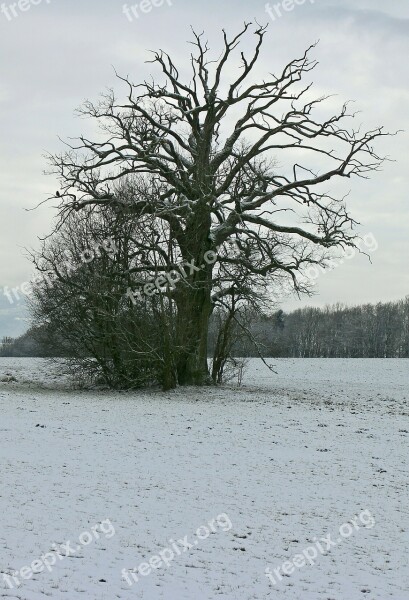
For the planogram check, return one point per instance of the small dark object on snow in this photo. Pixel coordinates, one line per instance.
(8, 378)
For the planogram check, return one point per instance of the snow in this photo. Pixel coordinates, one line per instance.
(287, 458)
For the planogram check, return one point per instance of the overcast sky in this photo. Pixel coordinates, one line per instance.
(57, 53)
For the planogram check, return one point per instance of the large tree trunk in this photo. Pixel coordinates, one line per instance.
(194, 306)
(194, 309)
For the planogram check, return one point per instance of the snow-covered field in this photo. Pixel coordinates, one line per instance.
(267, 472)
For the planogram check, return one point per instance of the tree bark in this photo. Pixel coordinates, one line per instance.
(193, 301)
(194, 310)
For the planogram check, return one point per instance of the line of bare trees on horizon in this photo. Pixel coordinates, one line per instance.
(366, 331)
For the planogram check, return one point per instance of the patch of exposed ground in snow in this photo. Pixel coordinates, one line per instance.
(289, 458)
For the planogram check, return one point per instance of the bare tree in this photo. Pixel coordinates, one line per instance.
(203, 156)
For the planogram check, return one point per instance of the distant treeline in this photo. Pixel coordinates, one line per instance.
(25, 346)
(367, 331)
